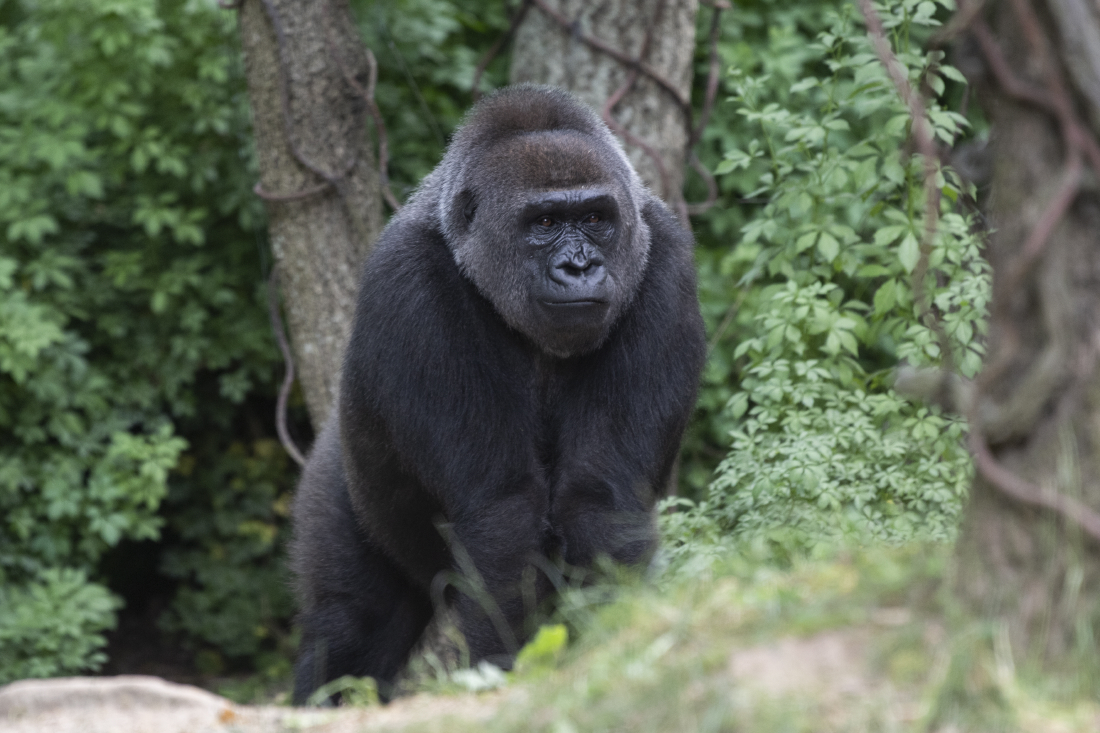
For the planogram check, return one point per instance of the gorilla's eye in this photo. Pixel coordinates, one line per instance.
(593, 219)
(545, 221)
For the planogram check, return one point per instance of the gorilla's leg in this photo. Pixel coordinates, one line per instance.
(360, 615)
(364, 623)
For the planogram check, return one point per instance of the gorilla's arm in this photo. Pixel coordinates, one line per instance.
(439, 420)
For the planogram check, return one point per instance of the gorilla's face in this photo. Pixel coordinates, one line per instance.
(553, 238)
(571, 233)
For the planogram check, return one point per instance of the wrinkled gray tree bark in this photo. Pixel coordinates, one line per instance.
(546, 53)
(319, 238)
(1025, 556)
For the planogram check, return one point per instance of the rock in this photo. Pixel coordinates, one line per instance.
(128, 704)
(138, 704)
(127, 692)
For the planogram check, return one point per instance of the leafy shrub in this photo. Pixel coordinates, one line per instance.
(235, 597)
(825, 307)
(52, 626)
(132, 323)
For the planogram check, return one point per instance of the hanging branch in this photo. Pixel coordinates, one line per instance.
(930, 155)
(575, 31)
(288, 379)
(333, 180)
(367, 95)
(618, 94)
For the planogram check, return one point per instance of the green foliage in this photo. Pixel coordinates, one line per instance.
(235, 596)
(823, 306)
(53, 625)
(427, 52)
(132, 323)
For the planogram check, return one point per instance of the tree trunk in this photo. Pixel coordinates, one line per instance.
(1022, 560)
(317, 173)
(547, 53)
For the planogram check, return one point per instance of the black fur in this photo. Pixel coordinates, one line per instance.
(523, 362)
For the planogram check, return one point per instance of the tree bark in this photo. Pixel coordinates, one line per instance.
(313, 142)
(546, 53)
(1029, 568)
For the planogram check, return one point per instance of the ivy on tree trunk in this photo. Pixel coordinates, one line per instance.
(317, 173)
(1035, 571)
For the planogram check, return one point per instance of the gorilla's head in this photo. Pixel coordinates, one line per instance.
(542, 212)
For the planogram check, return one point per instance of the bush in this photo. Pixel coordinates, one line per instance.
(131, 300)
(52, 626)
(823, 307)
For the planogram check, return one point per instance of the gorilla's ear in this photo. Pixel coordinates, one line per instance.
(467, 203)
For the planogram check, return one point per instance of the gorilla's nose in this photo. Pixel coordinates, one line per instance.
(580, 267)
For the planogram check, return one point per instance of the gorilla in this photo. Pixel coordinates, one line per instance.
(523, 361)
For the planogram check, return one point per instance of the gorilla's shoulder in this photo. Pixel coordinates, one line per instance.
(406, 240)
(411, 285)
(668, 237)
(409, 257)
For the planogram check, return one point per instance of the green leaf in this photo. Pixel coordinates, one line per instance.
(802, 85)
(909, 252)
(33, 229)
(738, 405)
(889, 234)
(885, 298)
(828, 246)
(806, 241)
(544, 650)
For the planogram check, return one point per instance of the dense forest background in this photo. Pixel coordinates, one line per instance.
(139, 469)
(143, 491)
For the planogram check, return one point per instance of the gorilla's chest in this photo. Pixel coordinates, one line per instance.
(564, 414)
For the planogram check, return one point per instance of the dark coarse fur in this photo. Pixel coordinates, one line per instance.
(520, 372)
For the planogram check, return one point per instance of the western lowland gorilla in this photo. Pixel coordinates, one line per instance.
(523, 361)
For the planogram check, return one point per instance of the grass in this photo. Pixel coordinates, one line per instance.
(756, 639)
(849, 640)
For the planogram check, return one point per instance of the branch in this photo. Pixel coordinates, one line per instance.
(288, 379)
(1030, 494)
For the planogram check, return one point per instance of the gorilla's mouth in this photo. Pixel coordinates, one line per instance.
(576, 316)
(574, 303)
